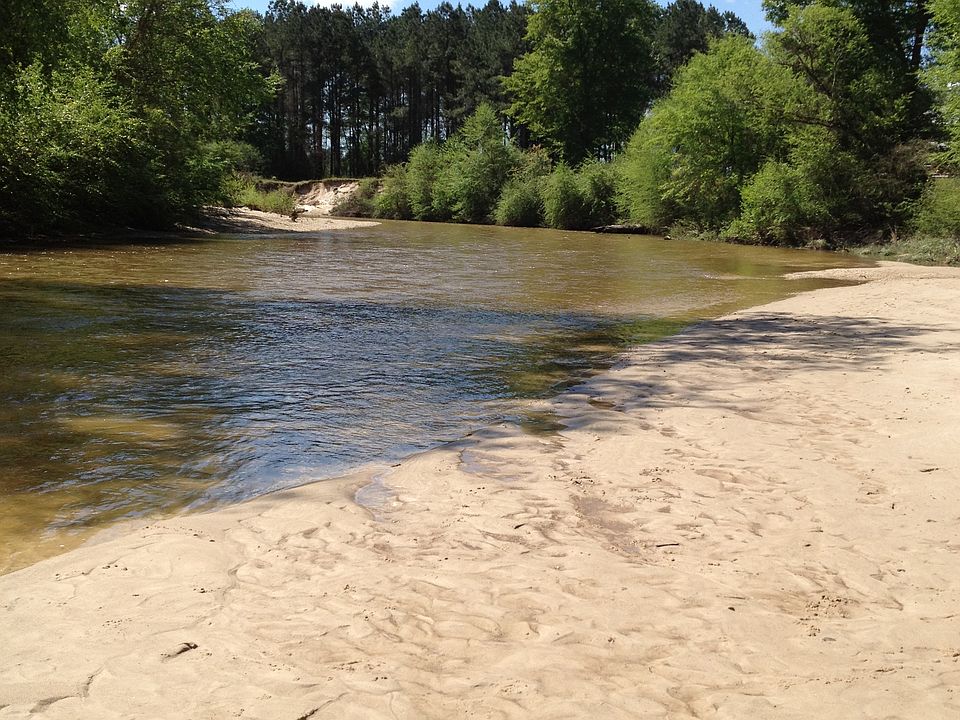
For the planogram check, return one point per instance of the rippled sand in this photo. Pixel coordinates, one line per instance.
(754, 519)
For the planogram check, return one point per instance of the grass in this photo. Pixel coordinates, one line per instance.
(934, 235)
(918, 248)
(247, 191)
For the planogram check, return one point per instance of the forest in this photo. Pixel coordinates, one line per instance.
(839, 127)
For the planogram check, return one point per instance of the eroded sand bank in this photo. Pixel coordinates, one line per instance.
(759, 518)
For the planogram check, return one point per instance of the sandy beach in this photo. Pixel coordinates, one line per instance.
(757, 518)
(244, 220)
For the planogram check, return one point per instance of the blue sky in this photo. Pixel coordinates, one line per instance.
(750, 10)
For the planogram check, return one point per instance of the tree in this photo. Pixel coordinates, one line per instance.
(895, 30)
(186, 67)
(362, 87)
(685, 27)
(69, 152)
(828, 48)
(800, 140)
(123, 112)
(588, 77)
(709, 135)
(474, 166)
(944, 73)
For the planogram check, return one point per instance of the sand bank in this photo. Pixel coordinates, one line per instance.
(244, 220)
(758, 518)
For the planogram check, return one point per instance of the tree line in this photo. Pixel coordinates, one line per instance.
(363, 87)
(840, 124)
(121, 113)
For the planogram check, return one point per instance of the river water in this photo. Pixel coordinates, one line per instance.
(157, 376)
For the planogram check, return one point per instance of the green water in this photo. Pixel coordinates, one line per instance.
(154, 377)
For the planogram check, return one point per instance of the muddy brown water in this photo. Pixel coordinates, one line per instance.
(155, 377)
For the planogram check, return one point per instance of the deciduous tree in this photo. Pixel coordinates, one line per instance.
(588, 77)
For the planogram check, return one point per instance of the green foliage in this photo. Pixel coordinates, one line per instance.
(642, 169)
(828, 49)
(69, 152)
(938, 212)
(684, 28)
(234, 156)
(944, 72)
(476, 164)
(578, 200)
(800, 142)
(478, 176)
(589, 76)
(121, 112)
(379, 83)
(460, 180)
(916, 248)
(780, 204)
(564, 202)
(708, 136)
(188, 65)
(51, 34)
(131, 112)
(521, 200)
(421, 180)
(598, 185)
(894, 31)
(393, 200)
(359, 203)
(520, 203)
(246, 192)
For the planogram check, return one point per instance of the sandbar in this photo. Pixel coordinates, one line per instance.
(246, 221)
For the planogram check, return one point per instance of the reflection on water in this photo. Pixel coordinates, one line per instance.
(161, 376)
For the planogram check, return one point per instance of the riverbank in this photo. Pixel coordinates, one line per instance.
(211, 220)
(755, 518)
(246, 221)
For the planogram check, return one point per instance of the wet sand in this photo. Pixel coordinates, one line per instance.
(757, 518)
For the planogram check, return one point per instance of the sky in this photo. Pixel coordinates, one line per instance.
(749, 10)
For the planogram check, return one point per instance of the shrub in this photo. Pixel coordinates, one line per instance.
(822, 193)
(235, 156)
(69, 154)
(475, 181)
(475, 165)
(564, 205)
(778, 205)
(246, 193)
(938, 212)
(641, 171)
(520, 203)
(359, 203)
(486, 160)
(393, 200)
(598, 186)
(421, 176)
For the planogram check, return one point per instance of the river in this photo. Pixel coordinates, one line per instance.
(158, 376)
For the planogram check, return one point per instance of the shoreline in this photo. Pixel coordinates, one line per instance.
(211, 220)
(753, 518)
(244, 221)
